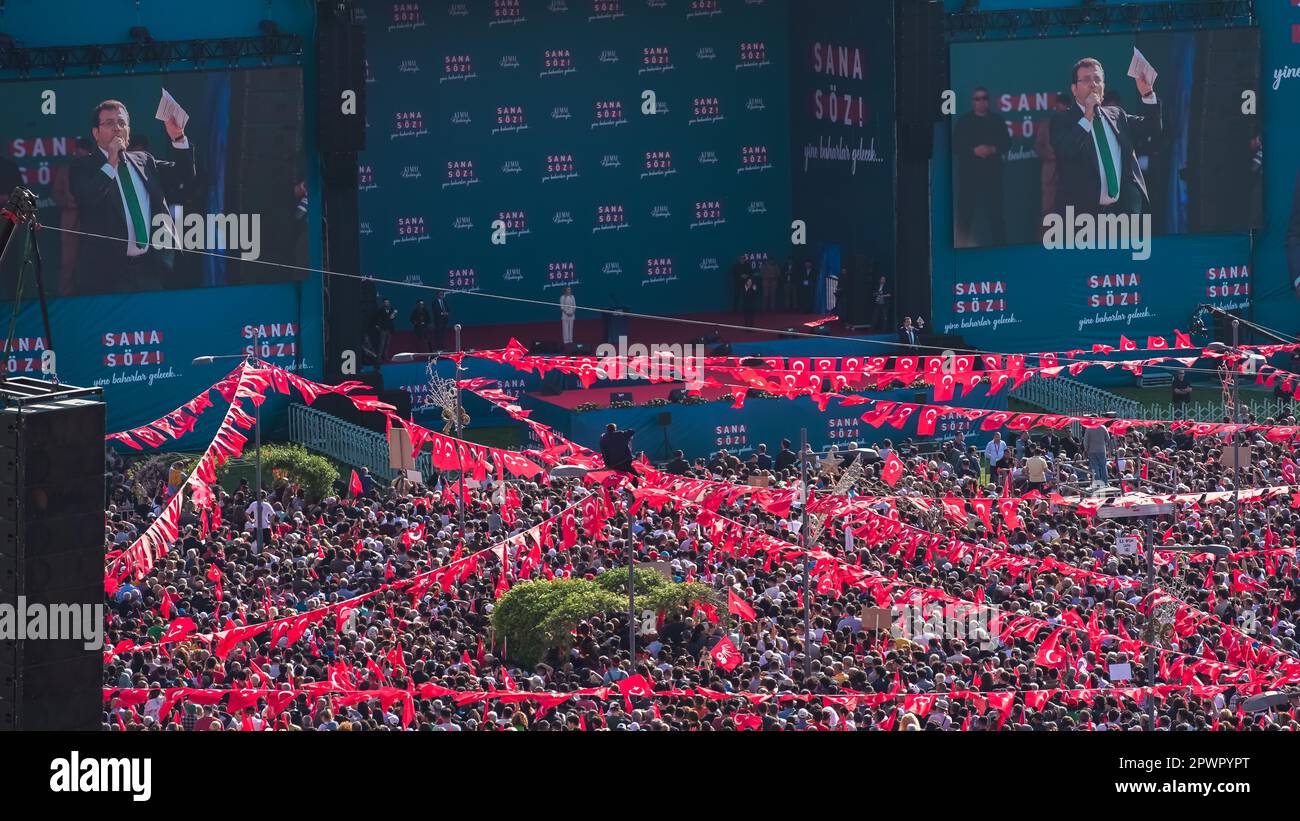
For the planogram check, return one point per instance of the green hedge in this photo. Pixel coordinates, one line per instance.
(315, 473)
(532, 617)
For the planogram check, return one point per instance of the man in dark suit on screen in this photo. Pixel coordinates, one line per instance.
(1094, 144)
(118, 193)
(908, 334)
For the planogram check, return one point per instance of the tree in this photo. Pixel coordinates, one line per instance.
(291, 463)
(532, 617)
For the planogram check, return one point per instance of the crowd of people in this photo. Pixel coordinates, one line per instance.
(842, 674)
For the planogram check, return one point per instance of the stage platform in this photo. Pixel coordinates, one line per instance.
(600, 394)
(700, 429)
(696, 428)
(769, 329)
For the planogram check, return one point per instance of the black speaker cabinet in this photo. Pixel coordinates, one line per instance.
(51, 554)
(341, 60)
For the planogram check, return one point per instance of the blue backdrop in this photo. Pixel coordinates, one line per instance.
(633, 150)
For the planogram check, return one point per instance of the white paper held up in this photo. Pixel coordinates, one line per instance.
(1139, 66)
(168, 108)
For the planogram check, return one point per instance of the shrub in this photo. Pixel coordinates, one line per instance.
(294, 463)
(532, 617)
(313, 472)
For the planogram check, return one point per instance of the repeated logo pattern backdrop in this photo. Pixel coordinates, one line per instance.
(630, 148)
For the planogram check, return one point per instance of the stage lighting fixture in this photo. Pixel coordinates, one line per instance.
(269, 28)
(140, 34)
(1042, 21)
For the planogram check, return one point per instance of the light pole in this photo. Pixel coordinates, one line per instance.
(257, 436)
(803, 544)
(631, 602)
(412, 356)
(1253, 359)
(460, 434)
(1147, 512)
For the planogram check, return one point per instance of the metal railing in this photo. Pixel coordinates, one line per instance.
(347, 443)
(1069, 396)
(1213, 411)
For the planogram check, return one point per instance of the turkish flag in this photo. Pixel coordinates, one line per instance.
(214, 574)
(177, 630)
(748, 721)
(354, 484)
(634, 687)
(919, 704)
(945, 387)
(893, 470)
(1050, 654)
(1241, 583)
(925, 424)
(1007, 507)
(1182, 340)
(1158, 343)
(996, 420)
(1037, 699)
(738, 606)
(1022, 421)
(900, 415)
(1126, 344)
(1002, 702)
(725, 655)
(568, 530)
(955, 509)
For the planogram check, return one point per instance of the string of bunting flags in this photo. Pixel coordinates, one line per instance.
(252, 380)
(822, 376)
(240, 702)
(833, 574)
(812, 383)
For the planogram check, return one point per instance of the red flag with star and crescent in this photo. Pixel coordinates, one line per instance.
(740, 607)
(892, 471)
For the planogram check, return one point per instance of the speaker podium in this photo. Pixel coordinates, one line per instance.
(51, 550)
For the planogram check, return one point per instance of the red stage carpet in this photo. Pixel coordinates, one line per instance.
(591, 332)
(600, 395)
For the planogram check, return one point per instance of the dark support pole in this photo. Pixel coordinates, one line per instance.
(807, 565)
